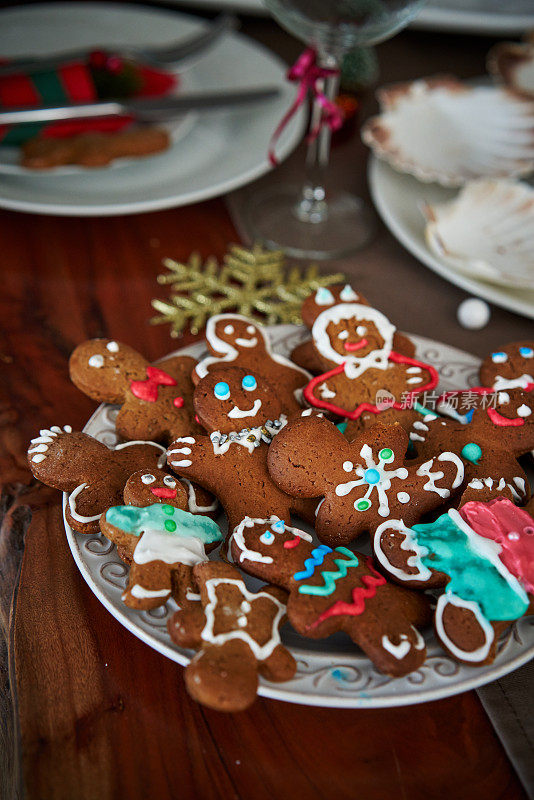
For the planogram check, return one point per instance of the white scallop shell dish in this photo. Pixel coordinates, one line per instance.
(442, 130)
(512, 64)
(486, 231)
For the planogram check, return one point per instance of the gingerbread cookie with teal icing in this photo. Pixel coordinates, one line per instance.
(306, 355)
(368, 374)
(334, 590)
(241, 413)
(362, 482)
(236, 341)
(497, 429)
(236, 633)
(95, 475)
(156, 401)
(482, 556)
(163, 543)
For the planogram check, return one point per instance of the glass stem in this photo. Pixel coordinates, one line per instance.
(312, 205)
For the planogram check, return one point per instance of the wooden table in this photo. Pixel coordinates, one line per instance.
(100, 714)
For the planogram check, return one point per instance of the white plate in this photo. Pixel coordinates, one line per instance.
(498, 17)
(330, 672)
(222, 150)
(397, 197)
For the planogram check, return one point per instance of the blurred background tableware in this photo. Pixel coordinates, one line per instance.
(311, 220)
(205, 159)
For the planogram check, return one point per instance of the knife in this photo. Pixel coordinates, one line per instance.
(152, 109)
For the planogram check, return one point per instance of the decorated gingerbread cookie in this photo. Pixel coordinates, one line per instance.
(306, 355)
(164, 543)
(362, 482)
(94, 474)
(237, 635)
(236, 341)
(481, 555)
(358, 339)
(156, 401)
(490, 437)
(159, 486)
(510, 367)
(242, 413)
(335, 590)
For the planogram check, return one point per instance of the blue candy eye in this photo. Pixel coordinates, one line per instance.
(499, 358)
(221, 390)
(267, 537)
(249, 383)
(526, 352)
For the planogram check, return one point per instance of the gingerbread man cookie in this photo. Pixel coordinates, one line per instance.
(335, 590)
(163, 542)
(484, 584)
(494, 433)
(231, 461)
(306, 355)
(94, 474)
(236, 341)
(362, 482)
(509, 368)
(159, 486)
(156, 402)
(237, 634)
(359, 340)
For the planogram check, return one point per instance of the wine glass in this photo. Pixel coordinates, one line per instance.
(310, 220)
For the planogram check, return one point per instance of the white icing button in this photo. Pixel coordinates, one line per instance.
(524, 411)
(502, 398)
(403, 497)
(113, 347)
(229, 329)
(348, 466)
(96, 361)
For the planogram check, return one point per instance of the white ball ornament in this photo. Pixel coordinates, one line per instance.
(473, 313)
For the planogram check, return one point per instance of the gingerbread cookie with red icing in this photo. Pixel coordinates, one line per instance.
(237, 341)
(156, 401)
(482, 556)
(335, 590)
(162, 542)
(358, 339)
(237, 635)
(490, 437)
(241, 413)
(94, 474)
(306, 355)
(361, 482)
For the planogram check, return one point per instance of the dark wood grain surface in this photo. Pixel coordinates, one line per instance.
(100, 714)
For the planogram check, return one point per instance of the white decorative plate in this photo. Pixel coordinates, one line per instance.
(333, 671)
(398, 199)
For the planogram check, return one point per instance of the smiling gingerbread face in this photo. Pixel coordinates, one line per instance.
(145, 487)
(232, 399)
(511, 408)
(355, 337)
(234, 331)
(510, 366)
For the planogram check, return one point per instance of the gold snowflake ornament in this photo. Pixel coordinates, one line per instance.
(253, 282)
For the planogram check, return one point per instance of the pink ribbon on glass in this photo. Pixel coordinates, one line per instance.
(306, 72)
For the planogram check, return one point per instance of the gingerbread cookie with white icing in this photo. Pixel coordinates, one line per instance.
(163, 543)
(361, 482)
(483, 556)
(306, 355)
(241, 413)
(358, 339)
(510, 367)
(335, 590)
(156, 401)
(490, 437)
(237, 635)
(237, 341)
(94, 474)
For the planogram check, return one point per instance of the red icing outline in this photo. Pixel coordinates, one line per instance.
(291, 543)
(359, 595)
(148, 389)
(397, 358)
